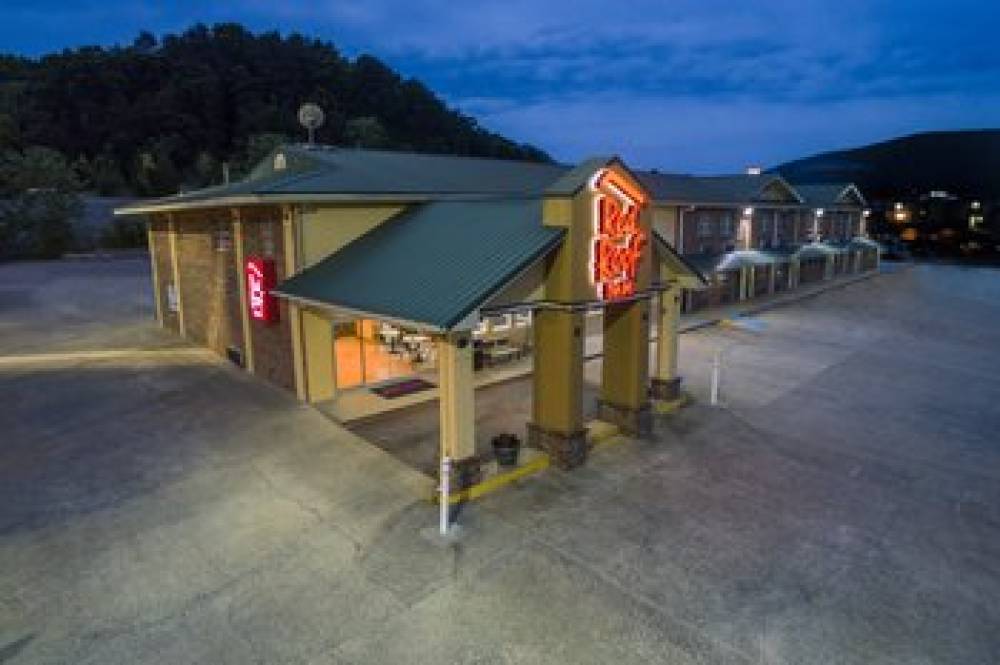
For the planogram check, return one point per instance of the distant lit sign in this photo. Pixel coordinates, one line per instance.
(260, 280)
(619, 240)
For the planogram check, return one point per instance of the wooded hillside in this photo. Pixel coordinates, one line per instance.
(165, 113)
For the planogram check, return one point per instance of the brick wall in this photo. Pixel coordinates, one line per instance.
(718, 240)
(209, 284)
(723, 289)
(811, 270)
(208, 279)
(761, 277)
(272, 343)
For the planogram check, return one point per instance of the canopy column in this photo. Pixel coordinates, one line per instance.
(624, 397)
(557, 403)
(666, 384)
(457, 408)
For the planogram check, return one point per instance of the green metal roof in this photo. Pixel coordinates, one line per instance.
(314, 171)
(723, 189)
(433, 264)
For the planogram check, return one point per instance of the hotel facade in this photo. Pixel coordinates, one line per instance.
(333, 272)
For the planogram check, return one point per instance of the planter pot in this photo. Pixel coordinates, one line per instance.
(506, 448)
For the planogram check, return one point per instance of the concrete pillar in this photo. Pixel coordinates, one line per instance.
(666, 384)
(793, 273)
(751, 281)
(457, 409)
(557, 408)
(624, 397)
(772, 277)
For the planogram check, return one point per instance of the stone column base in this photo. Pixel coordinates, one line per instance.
(665, 390)
(633, 422)
(567, 451)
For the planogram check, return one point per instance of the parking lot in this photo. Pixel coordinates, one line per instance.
(158, 506)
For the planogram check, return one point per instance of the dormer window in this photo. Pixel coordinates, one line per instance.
(280, 163)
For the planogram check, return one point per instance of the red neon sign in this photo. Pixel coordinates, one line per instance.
(618, 242)
(260, 277)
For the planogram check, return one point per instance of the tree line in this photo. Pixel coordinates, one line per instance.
(178, 112)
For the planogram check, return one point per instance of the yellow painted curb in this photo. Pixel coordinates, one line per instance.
(493, 483)
(601, 434)
(662, 408)
(598, 431)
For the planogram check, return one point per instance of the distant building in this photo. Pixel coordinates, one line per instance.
(753, 234)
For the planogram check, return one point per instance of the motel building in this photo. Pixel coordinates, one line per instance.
(755, 234)
(364, 280)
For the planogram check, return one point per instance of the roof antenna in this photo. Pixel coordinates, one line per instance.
(311, 117)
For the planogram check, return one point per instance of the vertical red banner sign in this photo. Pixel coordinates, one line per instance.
(260, 276)
(619, 241)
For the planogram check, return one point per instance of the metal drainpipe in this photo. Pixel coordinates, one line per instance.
(445, 505)
(680, 231)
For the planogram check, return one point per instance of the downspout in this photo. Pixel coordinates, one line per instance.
(680, 230)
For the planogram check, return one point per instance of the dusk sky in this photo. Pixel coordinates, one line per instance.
(685, 85)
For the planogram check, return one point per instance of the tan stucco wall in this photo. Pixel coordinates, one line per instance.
(665, 223)
(325, 230)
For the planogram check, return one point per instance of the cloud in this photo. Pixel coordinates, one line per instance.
(697, 135)
(700, 84)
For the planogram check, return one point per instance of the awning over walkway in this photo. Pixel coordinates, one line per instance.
(816, 249)
(433, 264)
(709, 263)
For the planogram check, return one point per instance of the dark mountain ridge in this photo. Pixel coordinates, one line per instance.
(965, 163)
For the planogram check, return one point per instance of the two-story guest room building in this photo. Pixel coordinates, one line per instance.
(330, 271)
(756, 234)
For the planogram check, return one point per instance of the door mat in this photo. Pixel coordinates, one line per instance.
(400, 388)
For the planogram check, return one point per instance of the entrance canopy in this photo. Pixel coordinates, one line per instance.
(432, 265)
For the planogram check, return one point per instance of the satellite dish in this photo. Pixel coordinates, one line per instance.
(311, 117)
